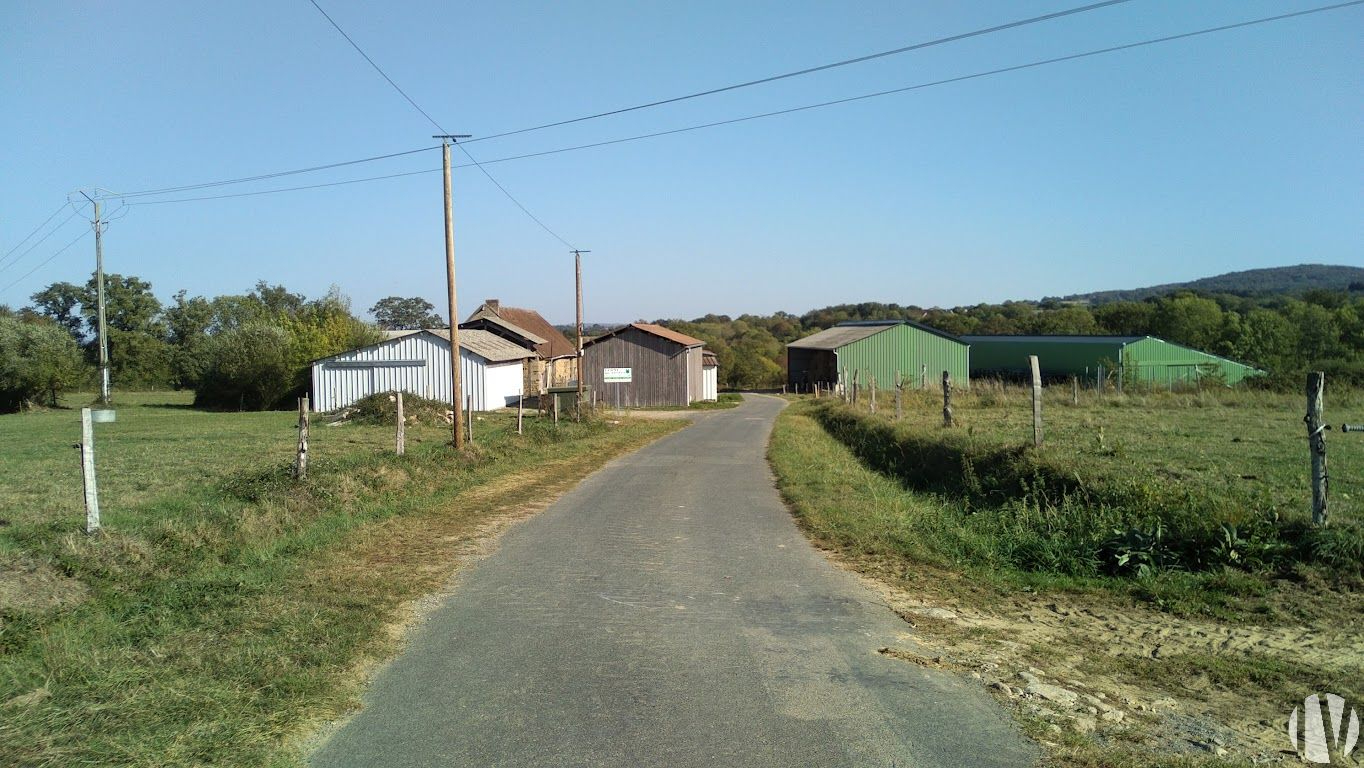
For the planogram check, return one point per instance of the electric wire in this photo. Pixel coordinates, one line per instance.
(39, 241)
(811, 70)
(261, 177)
(791, 110)
(45, 262)
(34, 232)
(438, 126)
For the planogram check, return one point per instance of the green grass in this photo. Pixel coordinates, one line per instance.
(226, 609)
(1176, 484)
(974, 517)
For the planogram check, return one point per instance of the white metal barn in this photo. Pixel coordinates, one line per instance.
(491, 369)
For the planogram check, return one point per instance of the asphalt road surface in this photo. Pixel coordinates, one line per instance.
(667, 612)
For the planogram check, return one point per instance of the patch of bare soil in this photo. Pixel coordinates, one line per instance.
(1085, 669)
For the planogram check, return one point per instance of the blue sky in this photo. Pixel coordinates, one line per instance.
(1171, 162)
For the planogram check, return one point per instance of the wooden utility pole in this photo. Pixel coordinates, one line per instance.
(1316, 443)
(578, 277)
(946, 399)
(456, 401)
(99, 305)
(1036, 401)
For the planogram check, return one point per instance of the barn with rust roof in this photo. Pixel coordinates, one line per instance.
(665, 367)
(556, 363)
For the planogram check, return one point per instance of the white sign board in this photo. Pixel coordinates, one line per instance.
(616, 375)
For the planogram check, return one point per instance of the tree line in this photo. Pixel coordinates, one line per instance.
(1284, 335)
(237, 351)
(252, 350)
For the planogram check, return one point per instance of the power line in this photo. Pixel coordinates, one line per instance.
(286, 189)
(820, 68)
(835, 102)
(361, 51)
(439, 127)
(945, 81)
(261, 177)
(40, 240)
(34, 232)
(44, 262)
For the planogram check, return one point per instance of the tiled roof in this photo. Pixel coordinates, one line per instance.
(553, 343)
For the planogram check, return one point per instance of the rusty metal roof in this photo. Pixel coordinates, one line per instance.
(553, 342)
(656, 330)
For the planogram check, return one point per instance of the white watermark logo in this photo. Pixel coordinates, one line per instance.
(1310, 743)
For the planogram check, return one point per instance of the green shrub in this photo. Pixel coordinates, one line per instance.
(38, 361)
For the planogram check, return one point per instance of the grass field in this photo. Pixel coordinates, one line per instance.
(1226, 609)
(226, 611)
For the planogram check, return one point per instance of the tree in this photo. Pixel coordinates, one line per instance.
(248, 369)
(38, 361)
(129, 305)
(188, 323)
(1190, 320)
(1125, 318)
(61, 302)
(397, 313)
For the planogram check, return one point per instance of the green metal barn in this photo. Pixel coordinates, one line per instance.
(877, 348)
(1133, 359)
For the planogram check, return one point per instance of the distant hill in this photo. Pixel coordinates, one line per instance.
(1250, 282)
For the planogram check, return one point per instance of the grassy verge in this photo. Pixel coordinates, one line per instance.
(227, 610)
(1012, 545)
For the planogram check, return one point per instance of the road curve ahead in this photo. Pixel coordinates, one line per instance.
(667, 612)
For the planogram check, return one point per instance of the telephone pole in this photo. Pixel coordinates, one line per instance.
(99, 305)
(456, 391)
(578, 277)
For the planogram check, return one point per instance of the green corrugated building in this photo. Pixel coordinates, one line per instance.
(877, 348)
(1136, 359)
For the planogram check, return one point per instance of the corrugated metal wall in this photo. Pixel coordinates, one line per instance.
(419, 364)
(908, 350)
(1055, 358)
(1165, 364)
(1150, 361)
(659, 369)
(710, 383)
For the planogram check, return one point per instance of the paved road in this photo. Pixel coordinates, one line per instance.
(667, 612)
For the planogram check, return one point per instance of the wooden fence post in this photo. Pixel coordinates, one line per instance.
(899, 395)
(946, 399)
(857, 382)
(923, 375)
(87, 447)
(301, 463)
(873, 394)
(469, 418)
(1316, 443)
(400, 446)
(1036, 401)
(521, 406)
(1074, 390)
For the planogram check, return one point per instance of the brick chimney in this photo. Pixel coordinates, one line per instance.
(493, 304)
